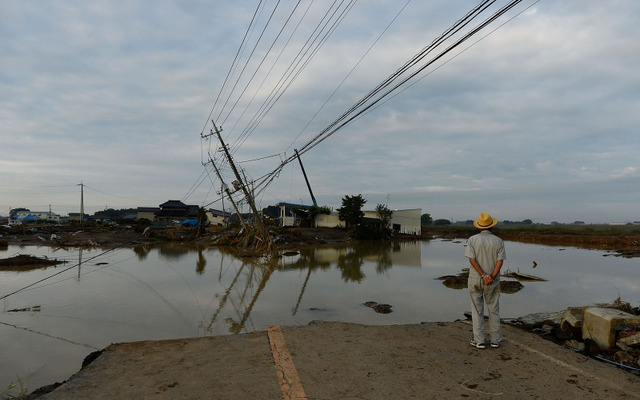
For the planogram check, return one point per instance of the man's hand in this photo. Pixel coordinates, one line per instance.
(487, 279)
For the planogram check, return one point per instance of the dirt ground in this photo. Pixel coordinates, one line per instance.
(329, 360)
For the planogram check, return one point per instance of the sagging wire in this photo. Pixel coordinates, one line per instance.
(48, 335)
(83, 273)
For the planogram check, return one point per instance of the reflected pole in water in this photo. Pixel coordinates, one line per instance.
(224, 299)
(79, 261)
(201, 262)
(236, 328)
(304, 287)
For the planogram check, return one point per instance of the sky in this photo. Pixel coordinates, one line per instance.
(534, 117)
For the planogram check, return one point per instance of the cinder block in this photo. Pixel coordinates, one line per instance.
(599, 324)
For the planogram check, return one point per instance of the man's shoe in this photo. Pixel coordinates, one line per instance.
(495, 345)
(477, 345)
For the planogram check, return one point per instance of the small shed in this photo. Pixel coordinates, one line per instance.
(287, 216)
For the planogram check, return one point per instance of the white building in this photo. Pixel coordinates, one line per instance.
(402, 221)
(24, 216)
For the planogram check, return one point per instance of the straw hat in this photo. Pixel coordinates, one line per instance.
(485, 221)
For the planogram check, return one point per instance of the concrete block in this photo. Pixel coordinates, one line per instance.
(572, 321)
(599, 324)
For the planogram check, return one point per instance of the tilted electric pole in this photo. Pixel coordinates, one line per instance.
(243, 186)
(226, 189)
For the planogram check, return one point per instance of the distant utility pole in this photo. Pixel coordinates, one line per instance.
(81, 202)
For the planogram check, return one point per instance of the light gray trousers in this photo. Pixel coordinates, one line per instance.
(479, 295)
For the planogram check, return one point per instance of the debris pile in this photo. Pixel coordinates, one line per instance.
(379, 308)
(25, 261)
(607, 332)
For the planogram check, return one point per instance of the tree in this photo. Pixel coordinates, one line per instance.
(440, 222)
(425, 219)
(351, 210)
(385, 214)
(315, 210)
(202, 220)
(271, 212)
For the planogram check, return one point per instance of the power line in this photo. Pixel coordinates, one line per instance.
(370, 99)
(306, 53)
(349, 74)
(231, 68)
(245, 65)
(403, 77)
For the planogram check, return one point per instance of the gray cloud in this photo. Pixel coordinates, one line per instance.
(537, 120)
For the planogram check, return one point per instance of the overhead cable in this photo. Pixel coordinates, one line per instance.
(231, 67)
(245, 66)
(402, 74)
(309, 49)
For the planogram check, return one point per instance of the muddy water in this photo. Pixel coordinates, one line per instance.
(173, 291)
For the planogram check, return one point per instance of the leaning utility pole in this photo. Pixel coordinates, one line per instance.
(313, 198)
(224, 185)
(226, 189)
(256, 216)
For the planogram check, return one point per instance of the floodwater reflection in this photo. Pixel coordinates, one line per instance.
(350, 258)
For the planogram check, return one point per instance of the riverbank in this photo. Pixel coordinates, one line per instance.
(331, 360)
(624, 240)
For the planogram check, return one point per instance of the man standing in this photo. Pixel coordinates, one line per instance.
(486, 254)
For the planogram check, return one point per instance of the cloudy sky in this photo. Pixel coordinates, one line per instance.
(534, 117)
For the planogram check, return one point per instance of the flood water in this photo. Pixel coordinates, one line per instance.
(172, 291)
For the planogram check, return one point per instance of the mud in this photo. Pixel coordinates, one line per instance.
(24, 262)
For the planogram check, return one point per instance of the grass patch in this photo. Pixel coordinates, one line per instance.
(15, 390)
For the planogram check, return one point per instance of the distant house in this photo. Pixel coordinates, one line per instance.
(32, 216)
(175, 210)
(147, 213)
(402, 221)
(407, 221)
(217, 217)
(77, 217)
